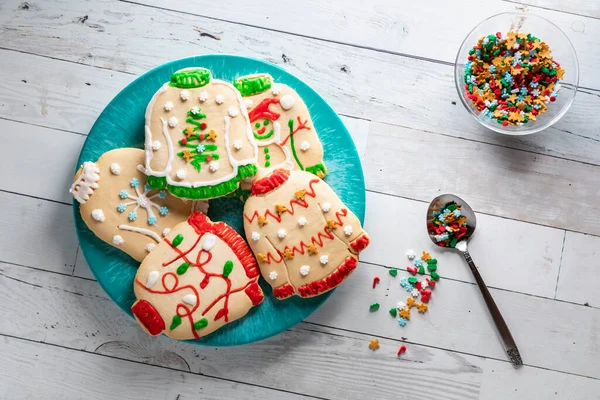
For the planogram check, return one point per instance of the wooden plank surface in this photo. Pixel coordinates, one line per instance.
(585, 8)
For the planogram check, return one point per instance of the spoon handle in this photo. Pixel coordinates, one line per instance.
(509, 343)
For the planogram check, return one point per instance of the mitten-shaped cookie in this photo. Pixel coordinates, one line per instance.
(199, 144)
(118, 206)
(199, 278)
(306, 241)
(282, 126)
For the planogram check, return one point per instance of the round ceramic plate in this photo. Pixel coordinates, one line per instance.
(121, 124)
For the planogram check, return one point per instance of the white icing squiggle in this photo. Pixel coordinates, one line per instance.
(84, 186)
(143, 231)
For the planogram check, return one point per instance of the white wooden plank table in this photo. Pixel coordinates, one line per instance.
(386, 67)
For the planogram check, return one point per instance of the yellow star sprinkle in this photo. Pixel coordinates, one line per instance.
(288, 255)
(261, 258)
(187, 155)
(312, 249)
(300, 194)
(262, 220)
(425, 256)
(280, 209)
(211, 135)
(422, 307)
(188, 131)
(404, 313)
(512, 98)
(331, 224)
(410, 302)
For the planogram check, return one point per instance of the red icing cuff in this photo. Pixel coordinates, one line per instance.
(330, 281)
(283, 292)
(271, 182)
(254, 293)
(360, 243)
(148, 317)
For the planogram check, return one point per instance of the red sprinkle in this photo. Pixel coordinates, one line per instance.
(504, 123)
(376, 280)
(203, 125)
(412, 270)
(401, 350)
(201, 137)
(208, 158)
(184, 141)
(426, 292)
(425, 298)
(418, 285)
(552, 98)
(499, 35)
(430, 282)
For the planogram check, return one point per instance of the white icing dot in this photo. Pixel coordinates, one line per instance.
(348, 230)
(190, 299)
(168, 106)
(149, 247)
(209, 242)
(115, 168)
(305, 145)
(275, 92)
(156, 145)
(203, 97)
(152, 278)
(98, 215)
(195, 110)
(166, 231)
(326, 207)
(213, 166)
(324, 260)
(219, 99)
(287, 102)
(301, 221)
(255, 236)
(237, 144)
(118, 240)
(172, 122)
(248, 103)
(233, 112)
(401, 305)
(273, 275)
(411, 254)
(281, 233)
(184, 95)
(180, 173)
(304, 270)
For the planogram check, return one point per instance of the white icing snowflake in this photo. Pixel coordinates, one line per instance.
(98, 215)
(535, 92)
(184, 95)
(326, 207)
(281, 233)
(172, 122)
(237, 144)
(348, 230)
(213, 166)
(411, 254)
(273, 275)
(424, 285)
(248, 103)
(324, 260)
(115, 168)
(166, 231)
(414, 293)
(149, 247)
(255, 236)
(304, 146)
(118, 240)
(301, 221)
(516, 46)
(233, 112)
(190, 299)
(195, 110)
(142, 200)
(203, 97)
(168, 106)
(401, 305)
(304, 270)
(286, 102)
(219, 99)
(180, 173)
(156, 145)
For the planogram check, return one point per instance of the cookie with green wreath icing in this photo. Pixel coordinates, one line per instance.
(199, 144)
(200, 277)
(118, 206)
(281, 125)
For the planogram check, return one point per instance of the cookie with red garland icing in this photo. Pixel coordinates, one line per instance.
(120, 209)
(305, 239)
(199, 144)
(199, 278)
(282, 126)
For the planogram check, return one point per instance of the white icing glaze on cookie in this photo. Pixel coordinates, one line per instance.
(273, 275)
(143, 231)
(287, 102)
(98, 215)
(172, 122)
(304, 270)
(84, 186)
(255, 236)
(115, 168)
(152, 278)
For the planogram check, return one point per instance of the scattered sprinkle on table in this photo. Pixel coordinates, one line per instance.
(393, 272)
(401, 350)
(448, 225)
(374, 344)
(512, 79)
(376, 280)
(374, 307)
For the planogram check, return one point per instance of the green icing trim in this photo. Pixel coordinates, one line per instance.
(177, 241)
(315, 169)
(203, 323)
(265, 136)
(176, 322)
(227, 268)
(250, 86)
(156, 182)
(182, 269)
(291, 125)
(192, 78)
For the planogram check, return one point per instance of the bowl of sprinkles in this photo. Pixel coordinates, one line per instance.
(516, 73)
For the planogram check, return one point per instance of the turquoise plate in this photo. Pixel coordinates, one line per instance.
(121, 124)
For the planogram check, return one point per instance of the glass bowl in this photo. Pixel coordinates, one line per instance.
(562, 52)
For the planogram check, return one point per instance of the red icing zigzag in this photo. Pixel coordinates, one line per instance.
(330, 281)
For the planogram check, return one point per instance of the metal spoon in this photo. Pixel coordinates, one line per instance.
(436, 204)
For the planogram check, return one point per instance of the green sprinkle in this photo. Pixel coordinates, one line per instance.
(452, 207)
(472, 51)
(176, 322)
(227, 268)
(432, 261)
(266, 150)
(374, 307)
(435, 276)
(496, 52)
(182, 269)
(431, 267)
(545, 83)
(421, 270)
(453, 242)
(393, 312)
(268, 163)
(267, 156)
(412, 280)
(200, 324)
(178, 239)
(393, 272)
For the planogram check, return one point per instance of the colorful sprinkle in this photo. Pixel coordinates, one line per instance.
(402, 321)
(401, 350)
(374, 344)
(393, 312)
(446, 228)
(376, 281)
(393, 272)
(374, 307)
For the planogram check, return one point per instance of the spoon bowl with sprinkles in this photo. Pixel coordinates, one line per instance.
(516, 73)
(451, 223)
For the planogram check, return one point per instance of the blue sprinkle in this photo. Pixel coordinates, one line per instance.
(123, 194)
(457, 213)
(132, 216)
(402, 321)
(403, 282)
(121, 207)
(134, 182)
(151, 220)
(163, 210)
(492, 68)
(200, 148)
(418, 262)
(409, 287)
(162, 194)
(523, 90)
(534, 84)
(147, 187)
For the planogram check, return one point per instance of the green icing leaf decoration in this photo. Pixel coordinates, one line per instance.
(200, 324)
(182, 269)
(176, 322)
(227, 268)
(178, 239)
(196, 163)
(191, 78)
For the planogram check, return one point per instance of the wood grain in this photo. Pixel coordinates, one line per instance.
(584, 8)
(491, 179)
(421, 95)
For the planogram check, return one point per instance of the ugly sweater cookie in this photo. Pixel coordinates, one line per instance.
(306, 241)
(282, 126)
(118, 206)
(199, 144)
(199, 278)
